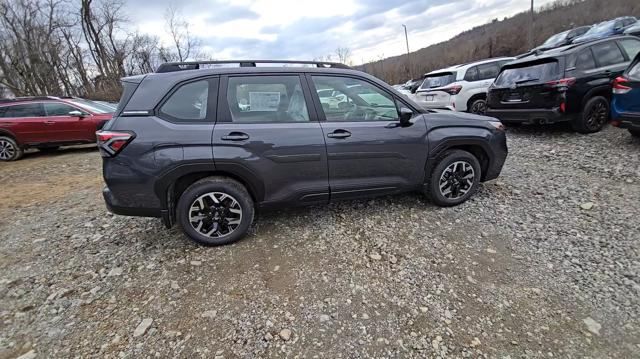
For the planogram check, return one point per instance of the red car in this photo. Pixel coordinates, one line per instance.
(47, 123)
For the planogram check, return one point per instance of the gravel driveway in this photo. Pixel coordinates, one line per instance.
(544, 262)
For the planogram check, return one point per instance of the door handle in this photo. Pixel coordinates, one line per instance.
(339, 134)
(235, 136)
(49, 122)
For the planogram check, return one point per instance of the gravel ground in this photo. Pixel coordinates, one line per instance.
(543, 262)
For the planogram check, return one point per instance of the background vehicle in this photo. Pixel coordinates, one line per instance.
(633, 29)
(207, 164)
(606, 29)
(47, 123)
(563, 38)
(461, 87)
(625, 105)
(571, 83)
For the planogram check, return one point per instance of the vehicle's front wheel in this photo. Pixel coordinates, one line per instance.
(634, 132)
(215, 211)
(9, 149)
(594, 116)
(479, 107)
(454, 179)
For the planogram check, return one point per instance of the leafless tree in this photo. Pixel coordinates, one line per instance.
(184, 44)
(343, 54)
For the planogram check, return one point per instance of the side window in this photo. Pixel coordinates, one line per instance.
(488, 71)
(472, 74)
(58, 109)
(3, 111)
(354, 100)
(25, 110)
(266, 99)
(631, 47)
(634, 72)
(188, 103)
(607, 53)
(585, 61)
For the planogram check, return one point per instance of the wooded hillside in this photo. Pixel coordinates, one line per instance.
(507, 37)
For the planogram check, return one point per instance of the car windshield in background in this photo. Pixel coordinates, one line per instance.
(601, 28)
(525, 75)
(92, 106)
(438, 80)
(556, 39)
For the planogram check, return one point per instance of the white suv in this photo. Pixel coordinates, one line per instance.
(461, 87)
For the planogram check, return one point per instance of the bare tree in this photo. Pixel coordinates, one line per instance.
(343, 54)
(185, 45)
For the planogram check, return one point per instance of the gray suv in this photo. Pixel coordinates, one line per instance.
(206, 145)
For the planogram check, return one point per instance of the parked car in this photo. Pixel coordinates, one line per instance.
(461, 87)
(633, 29)
(184, 150)
(607, 28)
(563, 38)
(47, 123)
(625, 105)
(571, 83)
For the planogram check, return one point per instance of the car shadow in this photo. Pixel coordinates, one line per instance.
(35, 153)
(554, 128)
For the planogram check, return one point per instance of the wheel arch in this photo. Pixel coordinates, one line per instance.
(604, 91)
(475, 145)
(7, 133)
(478, 96)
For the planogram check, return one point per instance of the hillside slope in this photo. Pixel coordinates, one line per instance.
(507, 37)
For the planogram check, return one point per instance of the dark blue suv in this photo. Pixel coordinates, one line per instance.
(625, 105)
(206, 145)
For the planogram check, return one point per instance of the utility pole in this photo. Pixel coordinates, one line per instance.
(406, 37)
(531, 45)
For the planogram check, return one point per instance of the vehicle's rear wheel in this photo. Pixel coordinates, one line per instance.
(454, 179)
(215, 211)
(479, 107)
(48, 149)
(594, 116)
(634, 132)
(9, 149)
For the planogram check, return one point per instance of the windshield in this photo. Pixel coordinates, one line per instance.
(92, 106)
(555, 39)
(601, 28)
(438, 80)
(536, 73)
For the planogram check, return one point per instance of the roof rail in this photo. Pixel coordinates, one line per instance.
(29, 98)
(196, 65)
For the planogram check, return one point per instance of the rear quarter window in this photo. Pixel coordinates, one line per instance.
(634, 72)
(607, 54)
(529, 73)
(631, 47)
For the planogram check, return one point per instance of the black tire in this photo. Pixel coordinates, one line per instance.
(634, 132)
(478, 106)
(594, 116)
(449, 158)
(234, 191)
(48, 149)
(9, 149)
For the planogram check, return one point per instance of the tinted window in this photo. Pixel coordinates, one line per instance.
(488, 71)
(631, 47)
(556, 39)
(255, 99)
(438, 80)
(627, 22)
(188, 103)
(25, 110)
(535, 73)
(585, 61)
(355, 100)
(58, 109)
(472, 74)
(607, 53)
(601, 28)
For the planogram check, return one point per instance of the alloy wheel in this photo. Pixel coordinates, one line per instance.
(479, 107)
(597, 115)
(7, 150)
(456, 180)
(215, 214)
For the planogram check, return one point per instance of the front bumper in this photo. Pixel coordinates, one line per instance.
(498, 145)
(528, 115)
(115, 207)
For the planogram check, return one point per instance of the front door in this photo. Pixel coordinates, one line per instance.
(266, 133)
(369, 152)
(63, 127)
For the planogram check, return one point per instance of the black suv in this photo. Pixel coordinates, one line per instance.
(205, 145)
(571, 83)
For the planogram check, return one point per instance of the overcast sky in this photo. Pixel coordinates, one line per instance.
(306, 29)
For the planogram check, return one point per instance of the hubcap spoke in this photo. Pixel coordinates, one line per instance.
(215, 214)
(456, 180)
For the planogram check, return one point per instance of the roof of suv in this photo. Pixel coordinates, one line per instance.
(467, 65)
(566, 50)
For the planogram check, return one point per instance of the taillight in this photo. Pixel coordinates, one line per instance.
(453, 90)
(562, 83)
(111, 143)
(620, 86)
(563, 107)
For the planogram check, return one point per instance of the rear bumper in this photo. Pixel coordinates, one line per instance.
(528, 115)
(115, 207)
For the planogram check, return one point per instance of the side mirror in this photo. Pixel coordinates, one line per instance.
(76, 113)
(405, 116)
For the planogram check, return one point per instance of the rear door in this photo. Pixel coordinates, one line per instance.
(528, 85)
(368, 151)
(26, 121)
(266, 131)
